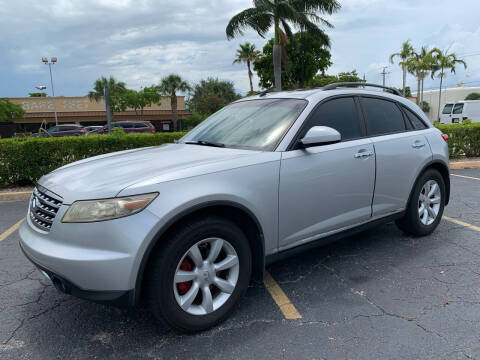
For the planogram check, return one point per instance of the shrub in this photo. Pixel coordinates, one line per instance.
(464, 139)
(24, 160)
(473, 96)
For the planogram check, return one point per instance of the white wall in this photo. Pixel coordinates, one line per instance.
(449, 95)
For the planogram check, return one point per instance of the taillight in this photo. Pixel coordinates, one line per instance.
(464, 118)
(445, 137)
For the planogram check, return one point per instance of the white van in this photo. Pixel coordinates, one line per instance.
(454, 113)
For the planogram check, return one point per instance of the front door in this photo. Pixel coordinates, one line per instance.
(329, 187)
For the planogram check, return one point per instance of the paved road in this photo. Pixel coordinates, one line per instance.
(377, 295)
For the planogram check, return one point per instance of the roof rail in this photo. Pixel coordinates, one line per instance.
(359, 84)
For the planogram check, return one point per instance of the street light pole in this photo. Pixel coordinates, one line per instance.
(52, 61)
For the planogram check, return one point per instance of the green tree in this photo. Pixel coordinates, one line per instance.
(443, 62)
(10, 111)
(116, 89)
(420, 65)
(473, 96)
(37, 94)
(282, 15)
(210, 95)
(321, 80)
(169, 86)
(405, 53)
(316, 54)
(138, 100)
(247, 53)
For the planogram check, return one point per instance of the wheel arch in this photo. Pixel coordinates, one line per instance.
(235, 212)
(442, 168)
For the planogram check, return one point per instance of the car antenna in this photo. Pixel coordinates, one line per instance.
(264, 92)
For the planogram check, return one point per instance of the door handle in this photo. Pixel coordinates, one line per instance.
(418, 144)
(362, 154)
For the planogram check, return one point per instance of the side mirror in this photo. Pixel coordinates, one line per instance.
(320, 135)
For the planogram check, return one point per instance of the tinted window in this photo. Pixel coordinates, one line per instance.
(458, 108)
(140, 125)
(382, 116)
(447, 109)
(339, 114)
(414, 120)
(53, 129)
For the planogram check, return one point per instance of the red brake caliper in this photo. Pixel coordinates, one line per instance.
(183, 287)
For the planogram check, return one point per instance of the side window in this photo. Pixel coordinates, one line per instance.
(414, 119)
(127, 125)
(458, 108)
(382, 116)
(53, 129)
(339, 114)
(140, 125)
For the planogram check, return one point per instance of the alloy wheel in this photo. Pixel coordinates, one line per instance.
(206, 276)
(429, 202)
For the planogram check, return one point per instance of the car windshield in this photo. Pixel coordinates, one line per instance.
(257, 124)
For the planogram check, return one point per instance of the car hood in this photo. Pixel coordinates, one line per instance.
(106, 175)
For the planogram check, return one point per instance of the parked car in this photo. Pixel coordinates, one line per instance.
(139, 126)
(187, 226)
(64, 130)
(455, 113)
(93, 128)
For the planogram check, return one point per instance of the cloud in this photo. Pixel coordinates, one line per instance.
(140, 41)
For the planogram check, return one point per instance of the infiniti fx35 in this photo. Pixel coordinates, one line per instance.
(187, 226)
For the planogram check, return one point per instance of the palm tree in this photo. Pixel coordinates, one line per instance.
(247, 53)
(444, 61)
(405, 53)
(115, 88)
(169, 86)
(281, 14)
(420, 65)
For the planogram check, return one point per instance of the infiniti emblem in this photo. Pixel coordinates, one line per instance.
(205, 275)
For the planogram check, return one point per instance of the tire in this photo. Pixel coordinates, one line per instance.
(174, 257)
(415, 223)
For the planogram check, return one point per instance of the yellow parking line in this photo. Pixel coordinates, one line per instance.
(462, 223)
(466, 177)
(9, 231)
(280, 298)
(15, 193)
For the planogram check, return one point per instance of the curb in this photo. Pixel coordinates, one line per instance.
(12, 196)
(458, 165)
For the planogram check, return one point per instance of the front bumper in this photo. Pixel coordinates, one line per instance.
(96, 261)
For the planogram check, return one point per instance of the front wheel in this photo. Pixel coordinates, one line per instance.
(425, 209)
(199, 273)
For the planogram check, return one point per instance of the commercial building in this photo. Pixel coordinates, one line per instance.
(83, 111)
(449, 95)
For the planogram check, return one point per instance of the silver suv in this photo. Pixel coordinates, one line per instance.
(187, 226)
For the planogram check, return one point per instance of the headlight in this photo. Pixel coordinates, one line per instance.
(107, 209)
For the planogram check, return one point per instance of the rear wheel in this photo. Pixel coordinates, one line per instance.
(199, 274)
(426, 205)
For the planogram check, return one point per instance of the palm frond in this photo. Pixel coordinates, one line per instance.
(256, 18)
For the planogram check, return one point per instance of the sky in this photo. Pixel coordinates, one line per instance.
(140, 41)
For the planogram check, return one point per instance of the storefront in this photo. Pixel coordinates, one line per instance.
(83, 111)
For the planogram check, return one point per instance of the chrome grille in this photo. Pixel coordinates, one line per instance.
(43, 208)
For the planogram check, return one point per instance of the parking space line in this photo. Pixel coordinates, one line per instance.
(462, 223)
(9, 231)
(466, 177)
(281, 299)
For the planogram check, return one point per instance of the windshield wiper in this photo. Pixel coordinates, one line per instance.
(205, 143)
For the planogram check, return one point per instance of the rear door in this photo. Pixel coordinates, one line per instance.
(329, 187)
(457, 113)
(401, 152)
(446, 115)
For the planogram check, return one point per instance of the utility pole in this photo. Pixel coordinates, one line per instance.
(384, 74)
(52, 61)
(106, 96)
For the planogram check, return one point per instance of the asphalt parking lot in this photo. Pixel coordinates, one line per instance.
(377, 295)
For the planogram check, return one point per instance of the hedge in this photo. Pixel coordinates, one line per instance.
(24, 160)
(464, 139)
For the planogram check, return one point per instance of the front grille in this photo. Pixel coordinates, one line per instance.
(43, 208)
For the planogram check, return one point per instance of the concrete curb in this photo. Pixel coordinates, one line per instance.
(458, 165)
